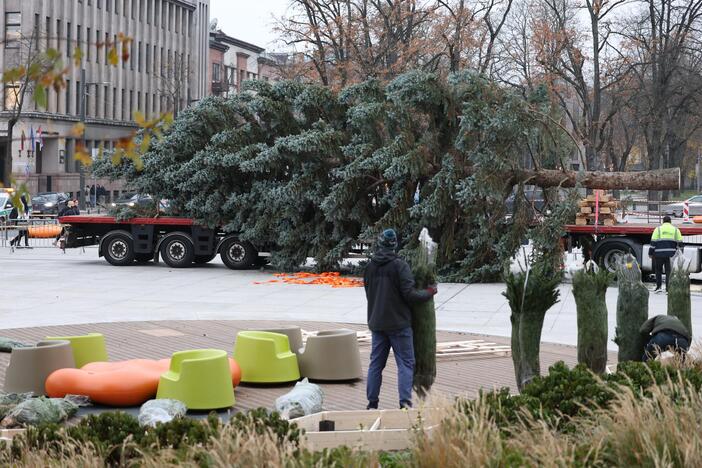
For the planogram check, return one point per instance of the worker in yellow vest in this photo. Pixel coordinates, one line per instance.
(665, 241)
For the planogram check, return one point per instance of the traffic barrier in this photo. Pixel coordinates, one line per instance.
(686, 212)
(35, 233)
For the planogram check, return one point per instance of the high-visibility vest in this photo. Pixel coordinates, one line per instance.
(664, 240)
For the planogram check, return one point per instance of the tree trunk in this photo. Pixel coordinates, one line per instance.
(589, 289)
(679, 304)
(632, 311)
(7, 157)
(644, 180)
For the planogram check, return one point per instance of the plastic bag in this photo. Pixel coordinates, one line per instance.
(161, 410)
(306, 398)
(41, 410)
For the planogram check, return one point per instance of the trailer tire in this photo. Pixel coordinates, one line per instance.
(237, 254)
(202, 259)
(177, 251)
(609, 253)
(118, 248)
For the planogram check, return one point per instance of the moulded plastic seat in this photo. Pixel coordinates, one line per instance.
(121, 383)
(265, 357)
(293, 333)
(86, 348)
(200, 378)
(331, 355)
(29, 367)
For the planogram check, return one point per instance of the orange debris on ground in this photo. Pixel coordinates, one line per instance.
(330, 278)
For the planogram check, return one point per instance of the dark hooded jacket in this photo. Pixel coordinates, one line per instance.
(390, 291)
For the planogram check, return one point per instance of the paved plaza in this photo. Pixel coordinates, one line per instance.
(44, 287)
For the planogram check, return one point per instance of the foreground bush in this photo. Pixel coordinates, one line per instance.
(643, 415)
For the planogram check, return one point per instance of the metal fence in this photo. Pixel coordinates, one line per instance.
(30, 233)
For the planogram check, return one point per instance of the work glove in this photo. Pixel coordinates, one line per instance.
(432, 289)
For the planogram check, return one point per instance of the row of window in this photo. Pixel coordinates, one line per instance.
(100, 101)
(230, 75)
(171, 17)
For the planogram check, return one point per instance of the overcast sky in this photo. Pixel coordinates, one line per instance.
(249, 20)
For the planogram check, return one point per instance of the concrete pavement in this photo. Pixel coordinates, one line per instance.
(46, 287)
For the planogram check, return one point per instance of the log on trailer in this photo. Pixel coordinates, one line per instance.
(663, 179)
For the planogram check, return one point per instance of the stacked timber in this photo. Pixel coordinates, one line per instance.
(589, 206)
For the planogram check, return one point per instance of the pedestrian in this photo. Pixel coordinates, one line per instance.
(71, 209)
(93, 201)
(665, 333)
(24, 215)
(390, 290)
(665, 241)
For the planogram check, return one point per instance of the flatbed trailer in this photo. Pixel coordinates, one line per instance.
(606, 244)
(179, 242)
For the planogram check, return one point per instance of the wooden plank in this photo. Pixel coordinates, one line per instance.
(586, 209)
(605, 210)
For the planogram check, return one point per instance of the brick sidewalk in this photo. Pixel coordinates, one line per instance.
(155, 340)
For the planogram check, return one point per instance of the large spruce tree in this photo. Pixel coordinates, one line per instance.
(309, 172)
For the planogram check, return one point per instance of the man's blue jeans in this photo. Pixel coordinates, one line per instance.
(403, 347)
(666, 340)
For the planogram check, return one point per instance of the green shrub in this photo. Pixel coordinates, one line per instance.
(263, 420)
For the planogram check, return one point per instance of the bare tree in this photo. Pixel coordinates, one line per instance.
(173, 82)
(26, 65)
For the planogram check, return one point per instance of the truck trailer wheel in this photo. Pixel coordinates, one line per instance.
(178, 251)
(238, 255)
(609, 254)
(118, 249)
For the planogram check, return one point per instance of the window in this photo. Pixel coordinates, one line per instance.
(104, 102)
(141, 10)
(37, 31)
(139, 101)
(176, 16)
(153, 104)
(134, 9)
(169, 15)
(108, 4)
(124, 104)
(146, 105)
(99, 3)
(139, 57)
(147, 65)
(78, 98)
(106, 45)
(154, 59)
(148, 11)
(215, 72)
(11, 94)
(132, 55)
(48, 31)
(98, 38)
(114, 103)
(156, 12)
(59, 33)
(78, 38)
(88, 47)
(131, 104)
(68, 39)
(67, 108)
(13, 24)
(164, 14)
(117, 2)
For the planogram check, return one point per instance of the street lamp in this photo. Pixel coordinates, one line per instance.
(82, 94)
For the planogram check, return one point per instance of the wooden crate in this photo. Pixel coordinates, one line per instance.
(370, 429)
(605, 210)
(8, 434)
(585, 209)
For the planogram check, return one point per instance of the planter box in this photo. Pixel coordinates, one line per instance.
(372, 430)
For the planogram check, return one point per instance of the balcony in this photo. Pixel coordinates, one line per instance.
(219, 87)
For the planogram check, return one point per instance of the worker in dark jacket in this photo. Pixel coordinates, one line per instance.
(665, 241)
(665, 332)
(17, 214)
(390, 290)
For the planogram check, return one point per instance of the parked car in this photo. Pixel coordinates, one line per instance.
(5, 206)
(138, 199)
(676, 209)
(49, 203)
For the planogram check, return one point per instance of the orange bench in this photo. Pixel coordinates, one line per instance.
(123, 383)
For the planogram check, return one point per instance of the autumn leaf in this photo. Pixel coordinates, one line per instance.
(139, 119)
(112, 57)
(77, 56)
(13, 74)
(40, 96)
(53, 54)
(145, 142)
(77, 130)
(82, 155)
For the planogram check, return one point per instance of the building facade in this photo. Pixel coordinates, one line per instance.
(240, 62)
(165, 72)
